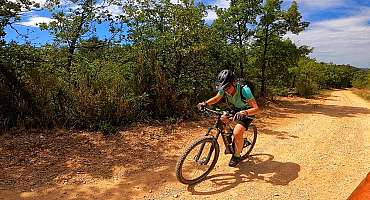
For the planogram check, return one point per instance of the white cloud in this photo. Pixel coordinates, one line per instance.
(222, 3)
(342, 41)
(34, 21)
(321, 4)
(211, 15)
(175, 1)
(114, 10)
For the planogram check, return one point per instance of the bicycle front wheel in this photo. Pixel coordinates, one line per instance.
(198, 160)
(250, 138)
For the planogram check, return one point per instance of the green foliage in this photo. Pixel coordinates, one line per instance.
(236, 26)
(9, 11)
(171, 42)
(310, 76)
(274, 23)
(105, 127)
(18, 101)
(361, 79)
(159, 66)
(306, 88)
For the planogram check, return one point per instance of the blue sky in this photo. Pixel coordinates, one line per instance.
(339, 29)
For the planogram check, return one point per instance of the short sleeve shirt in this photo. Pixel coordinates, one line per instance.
(236, 100)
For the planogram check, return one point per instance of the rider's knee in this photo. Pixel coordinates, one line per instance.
(238, 130)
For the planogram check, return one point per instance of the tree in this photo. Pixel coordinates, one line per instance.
(72, 26)
(236, 24)
(68, 27)
(275, 23)
(9, 11)
(171, 42)
(13, 92)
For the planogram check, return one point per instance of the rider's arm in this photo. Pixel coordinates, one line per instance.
(253, 110)
(251, 101)
(214, 100)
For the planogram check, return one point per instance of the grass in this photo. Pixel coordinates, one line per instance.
(325, 92)
(364, 93)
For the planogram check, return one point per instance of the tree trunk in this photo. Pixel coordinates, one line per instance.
(72, 46)
(241, 63)
(264, 62)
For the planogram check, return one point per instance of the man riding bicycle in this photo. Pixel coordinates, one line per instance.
(244, 103)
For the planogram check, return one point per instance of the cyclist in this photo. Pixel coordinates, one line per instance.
(244, 103)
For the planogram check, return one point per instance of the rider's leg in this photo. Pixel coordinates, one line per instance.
(239, 141)
(238, 133)
(238, 138)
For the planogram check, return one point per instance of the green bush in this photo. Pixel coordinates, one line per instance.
(306, 88)
(165, 63)
(362, 79)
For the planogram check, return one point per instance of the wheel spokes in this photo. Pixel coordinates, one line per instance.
(198, 161)
(249, 138)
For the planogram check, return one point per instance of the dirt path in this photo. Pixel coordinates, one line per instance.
(307, 149)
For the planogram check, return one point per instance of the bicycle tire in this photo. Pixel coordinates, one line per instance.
(179, 165)
(245, 152)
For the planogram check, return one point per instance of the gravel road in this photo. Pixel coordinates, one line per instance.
(306, 149)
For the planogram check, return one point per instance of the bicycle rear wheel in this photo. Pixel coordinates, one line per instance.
(198, 160)
(250, 138)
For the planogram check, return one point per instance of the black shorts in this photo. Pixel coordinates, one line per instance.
(245, 122)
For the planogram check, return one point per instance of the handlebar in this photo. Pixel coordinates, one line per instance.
(229, 114)
(219, 113)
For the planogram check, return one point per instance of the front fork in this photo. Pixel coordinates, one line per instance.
(228, 141)
(205, 160)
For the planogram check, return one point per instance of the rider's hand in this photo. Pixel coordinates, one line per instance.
(202, 105)
(239, 116)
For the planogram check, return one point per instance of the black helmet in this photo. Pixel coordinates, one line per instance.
(224, 78)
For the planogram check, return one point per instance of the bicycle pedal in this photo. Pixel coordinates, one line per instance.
(246, 143)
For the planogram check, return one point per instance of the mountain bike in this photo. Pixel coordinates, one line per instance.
(201, 156)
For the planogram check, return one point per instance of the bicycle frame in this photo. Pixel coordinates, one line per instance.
(219, 128)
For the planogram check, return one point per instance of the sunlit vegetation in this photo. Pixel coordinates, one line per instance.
(160, 60)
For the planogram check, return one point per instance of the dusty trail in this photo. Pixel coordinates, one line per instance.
(307, 149)
(312, 149)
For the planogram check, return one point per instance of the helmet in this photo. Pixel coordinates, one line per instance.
(224, 78)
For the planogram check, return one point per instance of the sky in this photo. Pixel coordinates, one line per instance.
(339, 30)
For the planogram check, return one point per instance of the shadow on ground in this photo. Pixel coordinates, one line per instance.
(283, 135)
(288, 108)
(259, 167)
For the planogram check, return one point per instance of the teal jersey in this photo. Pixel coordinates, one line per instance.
(237, 100)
